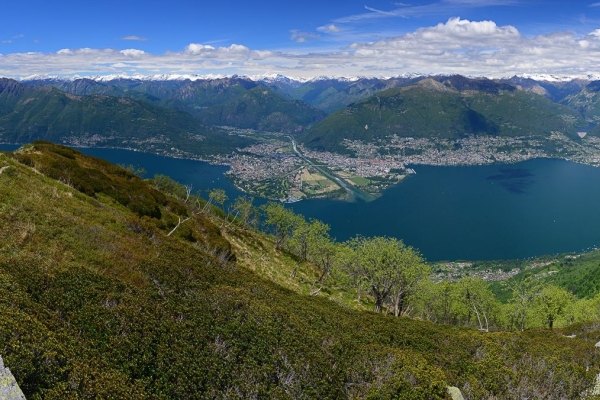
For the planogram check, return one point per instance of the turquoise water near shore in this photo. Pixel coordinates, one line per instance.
(489, 212)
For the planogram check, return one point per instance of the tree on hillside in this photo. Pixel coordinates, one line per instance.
(519, 305)
(170, 186)
(478, 300)
(244, 210)
(550, 304)
(322, 250)
(437, 302)
(300, 239)
(215, 196)
(389, 269)
(414, 272)
(282, 221)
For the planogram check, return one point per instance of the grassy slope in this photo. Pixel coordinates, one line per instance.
(96, 301)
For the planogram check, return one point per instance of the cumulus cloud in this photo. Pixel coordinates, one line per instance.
(134, 38)
(197, 48)
(236, 51)
(455, 46)
(331, 28)
(132, 53)
(465, 30)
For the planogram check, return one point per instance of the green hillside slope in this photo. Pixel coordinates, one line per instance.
(433, 109)
(260, 108)
(98, 301)
(45, 113)
(231, 101)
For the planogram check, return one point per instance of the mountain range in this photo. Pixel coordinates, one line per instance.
(321, 111)
(30, 113)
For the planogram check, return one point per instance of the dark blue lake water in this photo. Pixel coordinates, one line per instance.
(449, 213)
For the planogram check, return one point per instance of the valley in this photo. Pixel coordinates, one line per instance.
(273, 170)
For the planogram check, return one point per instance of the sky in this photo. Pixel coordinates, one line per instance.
(302, 39)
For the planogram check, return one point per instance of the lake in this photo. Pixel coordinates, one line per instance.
(489, 212)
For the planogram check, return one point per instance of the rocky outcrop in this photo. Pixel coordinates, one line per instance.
(455, 393)
(9, 389)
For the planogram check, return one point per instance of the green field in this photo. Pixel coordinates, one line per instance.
(360, 181)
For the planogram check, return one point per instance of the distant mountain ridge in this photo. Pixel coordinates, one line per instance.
(326, 110)
(233, 101)
(46, 113)
(447, 108)
(330, 93)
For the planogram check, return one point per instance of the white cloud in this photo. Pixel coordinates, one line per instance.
(235, 48)
(196, 48)
(236, 51)
(132, 52)
(331, 28)
(462, 29)
(456, 46)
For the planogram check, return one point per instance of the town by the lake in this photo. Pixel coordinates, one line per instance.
(279, 168)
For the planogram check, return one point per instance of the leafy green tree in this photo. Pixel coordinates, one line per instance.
(136, 170)
(322, 249)
(300, 239)
(519, 305)
(215, 196)
(414, 272)
(550, 304)
(436, 302)
(478, 300)
(282, 221)
(170, 186)
(584, 310)
(244, 210)
(388, 268)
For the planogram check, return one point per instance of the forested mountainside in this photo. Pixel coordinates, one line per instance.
(127, 111)
(116, 287)
(452, 109)
(234, 102)
(45, 113)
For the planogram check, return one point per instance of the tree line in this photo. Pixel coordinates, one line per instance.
(392, 276)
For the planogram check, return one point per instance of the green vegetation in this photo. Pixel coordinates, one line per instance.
(98, 301)
(260, 108)
(235, 102)
(44, 113)
(433, 109)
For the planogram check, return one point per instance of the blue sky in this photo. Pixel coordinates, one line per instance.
(300, 39)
